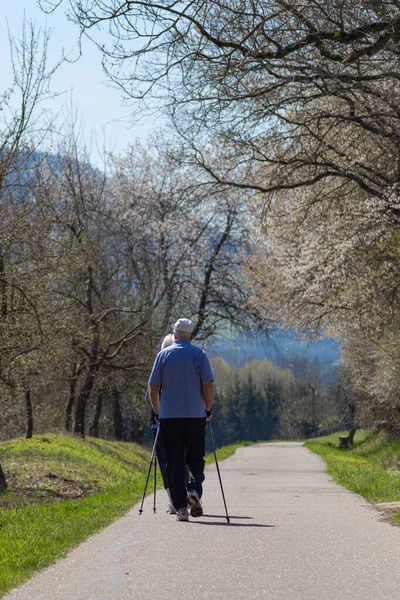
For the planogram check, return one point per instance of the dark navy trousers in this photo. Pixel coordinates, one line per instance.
(185, 448)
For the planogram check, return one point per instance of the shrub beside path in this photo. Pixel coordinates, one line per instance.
(294, 535)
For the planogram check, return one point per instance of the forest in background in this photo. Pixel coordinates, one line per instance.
(260, 401)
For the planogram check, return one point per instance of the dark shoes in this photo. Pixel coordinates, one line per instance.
(196, 510)
(194, 502)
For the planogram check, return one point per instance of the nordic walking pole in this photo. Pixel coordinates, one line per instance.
(153, 454)
(219, 474)
(155, 482)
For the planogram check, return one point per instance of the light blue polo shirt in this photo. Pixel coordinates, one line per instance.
(179, 370)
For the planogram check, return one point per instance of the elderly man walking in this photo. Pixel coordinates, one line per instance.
(181, 394)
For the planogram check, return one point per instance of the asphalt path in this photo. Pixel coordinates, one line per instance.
(293, 535)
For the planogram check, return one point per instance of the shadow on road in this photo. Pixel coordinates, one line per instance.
(231, 524)
(228, 524)
(223, 517)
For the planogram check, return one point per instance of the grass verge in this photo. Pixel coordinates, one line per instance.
(371, 468)
(62, 490)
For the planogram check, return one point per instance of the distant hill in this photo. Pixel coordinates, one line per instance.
(278, 350)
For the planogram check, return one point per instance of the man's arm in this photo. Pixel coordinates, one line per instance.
(208, 394)
(154, 394)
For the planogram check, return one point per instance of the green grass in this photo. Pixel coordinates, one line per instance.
(62, 490)
(371, 468)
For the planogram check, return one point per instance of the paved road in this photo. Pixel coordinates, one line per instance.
(294, 535)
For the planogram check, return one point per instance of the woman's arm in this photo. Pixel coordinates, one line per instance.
(154, 394)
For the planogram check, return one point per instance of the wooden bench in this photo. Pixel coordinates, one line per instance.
(347, 442)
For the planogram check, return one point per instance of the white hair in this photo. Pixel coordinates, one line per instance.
(183, 335)
(167, 341)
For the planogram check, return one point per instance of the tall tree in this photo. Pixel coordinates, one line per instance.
(265, 76)
(24, 250)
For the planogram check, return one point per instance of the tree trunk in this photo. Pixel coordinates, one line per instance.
(84, 394)
(117, 417)
(69, 405)
(314, 418)
(3, 287)
(94, 425)
(136, 434)
(3, 481)
(29, 415)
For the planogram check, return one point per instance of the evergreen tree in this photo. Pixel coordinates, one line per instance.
(235, 411)
(271, 416)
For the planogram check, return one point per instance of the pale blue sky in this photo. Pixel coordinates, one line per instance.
(99, 105)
